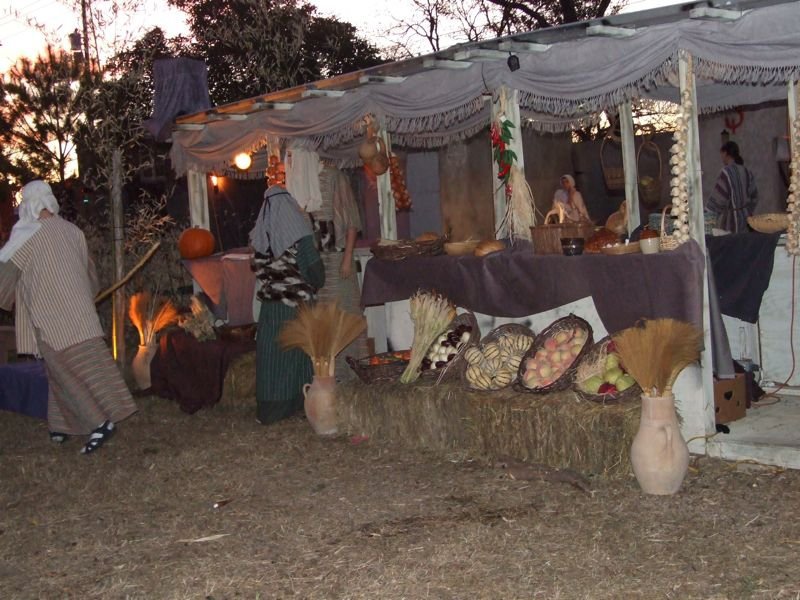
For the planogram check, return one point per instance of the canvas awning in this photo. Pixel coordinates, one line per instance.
(567, 76)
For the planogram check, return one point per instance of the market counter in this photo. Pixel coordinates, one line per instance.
(516, 283)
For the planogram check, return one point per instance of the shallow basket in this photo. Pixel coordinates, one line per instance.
(593, 363)
(405, 248)
(614, 177)
(452, 370)
(630, 248)
(546, 238)
(565, 381)
(375, 373)
(492, 336)
(769, 222)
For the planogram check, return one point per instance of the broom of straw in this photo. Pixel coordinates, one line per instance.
(148, 319)
(322, 331)
(655, 352)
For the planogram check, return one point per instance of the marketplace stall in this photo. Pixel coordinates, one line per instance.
(704, 58)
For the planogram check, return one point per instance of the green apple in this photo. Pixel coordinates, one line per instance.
(592, 384)
(612, 361)
(611, 375)
(624, 382)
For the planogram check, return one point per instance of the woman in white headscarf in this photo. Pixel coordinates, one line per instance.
(46, 273)
(571, 200)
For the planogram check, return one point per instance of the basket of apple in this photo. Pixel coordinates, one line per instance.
(550, 363)
(601, 376)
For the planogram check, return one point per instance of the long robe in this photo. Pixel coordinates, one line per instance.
(54, 287)
(734, 198)
(281, 374)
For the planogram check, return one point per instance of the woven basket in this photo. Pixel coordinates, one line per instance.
(406, 248)
(668, 241)
(613, 176)
(650, 193)
(593, 363)
(374, 373)
(452, 370)
(769, 223)
(493, 336)
(547, 237)
(565, 381)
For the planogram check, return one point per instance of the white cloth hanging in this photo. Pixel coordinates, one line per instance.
(302, 178)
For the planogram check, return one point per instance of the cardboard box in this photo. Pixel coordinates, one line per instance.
(730, 398)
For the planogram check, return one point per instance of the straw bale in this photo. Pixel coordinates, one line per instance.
(239, 386)
(558, 429)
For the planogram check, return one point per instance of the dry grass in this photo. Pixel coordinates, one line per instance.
(321, 519)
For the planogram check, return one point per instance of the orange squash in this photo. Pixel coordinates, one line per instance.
(196, 242)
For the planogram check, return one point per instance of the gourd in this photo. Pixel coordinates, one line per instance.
(196, 242)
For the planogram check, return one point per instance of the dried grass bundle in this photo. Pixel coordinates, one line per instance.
(655, 352)
(322, 331)
(201, 323)
(520, 211)
(432, 314)
(149, 316)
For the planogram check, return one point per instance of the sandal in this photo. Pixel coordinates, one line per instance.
(58, 437)
(98, 437)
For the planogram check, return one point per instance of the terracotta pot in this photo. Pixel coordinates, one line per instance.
(371, 147)
(320, 404)
(379, 164)
(659, 453)
(140, 367)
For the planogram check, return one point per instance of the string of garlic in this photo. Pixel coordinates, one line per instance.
(792, 203)
(679, 183)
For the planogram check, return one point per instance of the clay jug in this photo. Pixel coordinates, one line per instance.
(140, 367)
(370, 147)
(659, 454)
(379, 164)
(320, 404)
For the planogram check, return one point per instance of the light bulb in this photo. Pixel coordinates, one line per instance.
(242, 161)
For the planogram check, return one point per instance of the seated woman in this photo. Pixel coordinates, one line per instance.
(570, 200)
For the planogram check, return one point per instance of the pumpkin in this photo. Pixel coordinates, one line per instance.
(196, 242)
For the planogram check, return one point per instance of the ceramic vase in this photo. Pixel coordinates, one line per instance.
(659, 454)
(320, 404)
(140, 367)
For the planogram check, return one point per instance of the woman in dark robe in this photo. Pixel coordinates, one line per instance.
(289, 271)
(735, 193)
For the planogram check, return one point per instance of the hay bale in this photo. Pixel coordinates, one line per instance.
(239, 386)
(558, 429)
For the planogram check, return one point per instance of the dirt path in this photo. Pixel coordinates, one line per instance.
(300, 517)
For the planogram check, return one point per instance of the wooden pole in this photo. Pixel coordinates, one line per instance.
(118, 301)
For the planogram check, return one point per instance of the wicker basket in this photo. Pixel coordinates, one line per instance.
(668, 241)
(452, 370)
(593, 363)
(650, 190)
(769, 223)
(374, 373)
(547, 237)
(492, 336)
(405, 248)
(613, 176)
(565, 381)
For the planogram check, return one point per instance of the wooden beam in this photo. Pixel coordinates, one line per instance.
(610, 31)
(322, 94)
(708, 12)
(365, 79)
(480, 54)
(522, 47)
(438, 63)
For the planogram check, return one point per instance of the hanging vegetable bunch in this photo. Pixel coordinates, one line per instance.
(402, 199)
(502, 154)
(792, 201)
(276, 172)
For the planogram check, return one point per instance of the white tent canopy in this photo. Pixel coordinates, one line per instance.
(428, 102)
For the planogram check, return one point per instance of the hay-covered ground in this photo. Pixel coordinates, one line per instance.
(312, 518)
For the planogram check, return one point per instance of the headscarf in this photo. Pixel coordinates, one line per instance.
(569, 178)
(36, 197)
(280, 223)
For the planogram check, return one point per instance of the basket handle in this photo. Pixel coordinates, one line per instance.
(557, 210)
(658, 155)
(664, 220)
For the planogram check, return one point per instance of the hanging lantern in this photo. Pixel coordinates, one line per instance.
(242, 161)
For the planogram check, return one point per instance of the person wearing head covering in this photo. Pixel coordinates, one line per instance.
(289, 271)
(47, 275)
(735, 193)
(571, 200)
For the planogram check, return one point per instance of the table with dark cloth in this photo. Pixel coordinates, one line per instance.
(742, 266)
(228, 281)
(517, 283)
(23, 388)
(192, 372)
